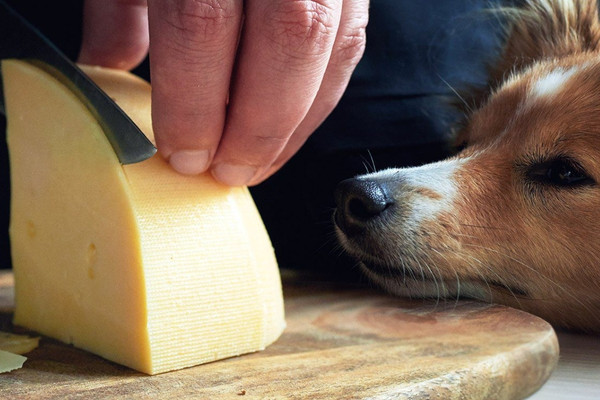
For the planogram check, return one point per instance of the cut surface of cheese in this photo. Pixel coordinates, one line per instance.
(136, 263)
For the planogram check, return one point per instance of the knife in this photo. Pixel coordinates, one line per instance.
(19, 39)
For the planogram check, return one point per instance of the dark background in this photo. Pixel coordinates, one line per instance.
(395, 112)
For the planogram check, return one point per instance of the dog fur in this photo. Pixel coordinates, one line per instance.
(513, 218)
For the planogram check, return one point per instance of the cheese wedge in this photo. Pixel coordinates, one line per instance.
(136, 263)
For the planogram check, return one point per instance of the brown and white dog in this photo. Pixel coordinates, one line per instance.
(513, 218)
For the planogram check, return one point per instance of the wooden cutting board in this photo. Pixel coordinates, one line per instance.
(341, 343)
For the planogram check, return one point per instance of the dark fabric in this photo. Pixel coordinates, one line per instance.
(395, 108)
(399, 92)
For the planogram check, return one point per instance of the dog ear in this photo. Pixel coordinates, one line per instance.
(538, 30)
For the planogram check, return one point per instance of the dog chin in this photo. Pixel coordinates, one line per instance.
(406, 282)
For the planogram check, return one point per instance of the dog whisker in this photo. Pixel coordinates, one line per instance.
(483, 227)
(468, 107)
(500, 280)
(366, 167)
(372, 161)
(457, 289)
(441, 255)
(435, 282)
(369, 164)
(445, 290)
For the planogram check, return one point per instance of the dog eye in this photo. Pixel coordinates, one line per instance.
(561, 172)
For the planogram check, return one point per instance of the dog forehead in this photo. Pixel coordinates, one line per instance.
(552, 83)
(560, 100)
(561, 83)
(542, 104)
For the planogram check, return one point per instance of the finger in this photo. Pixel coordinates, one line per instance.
(347, 51)
(192, 51)
(283, 56)
(115, 33)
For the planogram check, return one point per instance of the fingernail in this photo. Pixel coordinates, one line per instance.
(189, 162)
(233, 174)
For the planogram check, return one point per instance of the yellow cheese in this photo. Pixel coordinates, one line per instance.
(18, 344)
(150, 269)
(10, 362)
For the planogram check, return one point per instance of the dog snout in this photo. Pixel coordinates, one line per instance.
(360, 201)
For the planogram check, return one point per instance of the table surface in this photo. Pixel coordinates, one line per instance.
(341, 342)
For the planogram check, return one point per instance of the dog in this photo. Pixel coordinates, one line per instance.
(513, 217)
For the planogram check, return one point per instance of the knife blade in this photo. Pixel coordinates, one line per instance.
(19, 39)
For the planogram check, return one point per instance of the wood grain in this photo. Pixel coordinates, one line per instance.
(341, 343)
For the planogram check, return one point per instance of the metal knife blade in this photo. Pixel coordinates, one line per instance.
(19, 39)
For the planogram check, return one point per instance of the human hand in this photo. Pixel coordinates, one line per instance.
(237, 87)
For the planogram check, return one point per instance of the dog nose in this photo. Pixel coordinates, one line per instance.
(358, 202)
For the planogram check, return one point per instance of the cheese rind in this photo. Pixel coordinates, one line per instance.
(136, 263)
